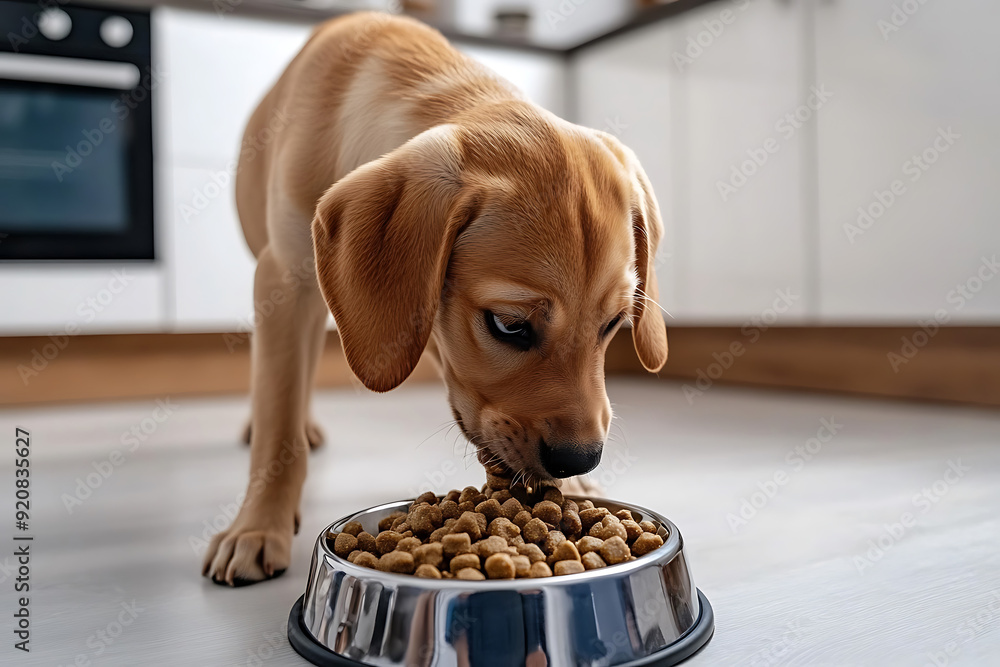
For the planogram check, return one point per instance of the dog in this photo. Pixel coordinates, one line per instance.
(429, 206)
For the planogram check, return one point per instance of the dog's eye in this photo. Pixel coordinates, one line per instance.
(514, 332)
(611, 325)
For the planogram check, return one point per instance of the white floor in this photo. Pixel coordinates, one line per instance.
(795, 585)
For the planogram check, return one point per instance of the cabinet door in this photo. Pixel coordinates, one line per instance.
(909, 207)
(745, 115)
(216, 70)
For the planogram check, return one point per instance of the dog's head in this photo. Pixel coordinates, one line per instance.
(519, 246)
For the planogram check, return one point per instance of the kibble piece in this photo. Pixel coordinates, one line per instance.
(647, 526)
(470, 574)
(522, 518)
(397, 561)
(554, 495)
(500, 566)
(624, 515)
(552, 540)
(491, 545)
(511, 508)
(540, 569)
(428, 571)
(586, 505)
(397, 522)
(439, 534)
(568, 567)
(520, 492)
(386, 541)
(366, 559)
(353, 528)
(615, 551)
(425, 519)
(489, 508)
(449, 509)
(386, 522)
(610, 526)
(570, 506)
(497, 482)
(516, 541)
(571, 524)
(408, 544)
(463, 561)
(467, 506)
(453, 495)
(632, 530)
(481, 520)
(522, 566)
(353, 556)
(345, 544)
(468, 493)
(566, 550)
(535, 531)
(532, 551)
(467, 523)
(592, 561)
(501, 496)
(456, 544)
(429, 554)
(587, 544)
(366, 542)
(428, 497)
(591, 516)
(504, 528)
(548, 511)
(645, 543)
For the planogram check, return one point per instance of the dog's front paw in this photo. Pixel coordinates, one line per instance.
(253, 549)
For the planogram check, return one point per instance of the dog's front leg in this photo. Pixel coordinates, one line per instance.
(290, 319)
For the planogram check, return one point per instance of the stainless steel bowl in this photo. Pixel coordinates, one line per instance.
(643, 612)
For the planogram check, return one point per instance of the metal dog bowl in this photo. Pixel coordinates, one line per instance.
(642, 612)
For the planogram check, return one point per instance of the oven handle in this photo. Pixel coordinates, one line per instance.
(72, 71)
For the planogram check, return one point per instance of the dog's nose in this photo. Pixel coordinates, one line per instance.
(569, 459)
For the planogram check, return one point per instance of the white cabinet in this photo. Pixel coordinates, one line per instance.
(909, 206)
(703, 101)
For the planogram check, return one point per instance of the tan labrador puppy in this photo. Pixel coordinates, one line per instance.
(428, 205)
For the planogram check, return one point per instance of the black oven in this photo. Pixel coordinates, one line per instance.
(76, 137)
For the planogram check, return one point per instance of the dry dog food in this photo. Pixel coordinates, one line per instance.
(497, 532)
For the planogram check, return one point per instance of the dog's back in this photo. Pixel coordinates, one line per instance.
(363, 85)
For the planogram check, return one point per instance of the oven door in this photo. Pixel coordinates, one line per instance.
(76, 160)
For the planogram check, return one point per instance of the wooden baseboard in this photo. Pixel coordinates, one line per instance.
(958, 364)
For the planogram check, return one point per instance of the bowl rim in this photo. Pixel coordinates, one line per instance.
(671, 548)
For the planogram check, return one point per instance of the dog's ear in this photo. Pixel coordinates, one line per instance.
(649, 330)
(382, 236)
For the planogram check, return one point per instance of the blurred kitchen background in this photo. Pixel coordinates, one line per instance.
(825, 168)
(827, 172)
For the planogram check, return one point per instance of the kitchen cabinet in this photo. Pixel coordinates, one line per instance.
(909, 211)
(705, 101)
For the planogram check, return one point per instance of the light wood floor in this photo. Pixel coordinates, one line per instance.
(786, 586)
